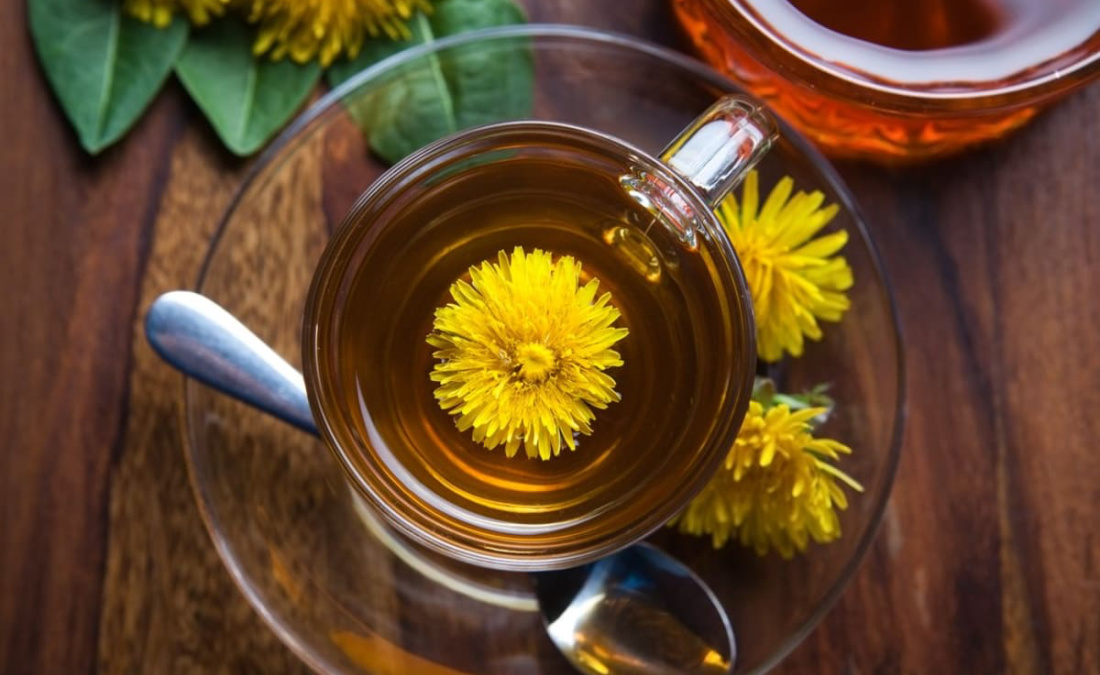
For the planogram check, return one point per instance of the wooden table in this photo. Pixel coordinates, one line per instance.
(989, 559)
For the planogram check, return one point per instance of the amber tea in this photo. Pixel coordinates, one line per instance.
(900, 80)
(683, 360)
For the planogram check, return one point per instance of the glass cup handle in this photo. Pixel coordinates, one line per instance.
(716, 151)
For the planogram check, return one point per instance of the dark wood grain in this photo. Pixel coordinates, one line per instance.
(989, 557)
(74, 239)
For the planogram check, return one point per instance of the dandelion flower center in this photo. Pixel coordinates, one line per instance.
(522, 352)
(535, 361)
(325, 29)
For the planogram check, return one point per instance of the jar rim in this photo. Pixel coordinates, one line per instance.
(947, 78)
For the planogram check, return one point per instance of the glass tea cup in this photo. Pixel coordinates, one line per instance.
(645, 228)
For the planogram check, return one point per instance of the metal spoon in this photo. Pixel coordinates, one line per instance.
(636, 612)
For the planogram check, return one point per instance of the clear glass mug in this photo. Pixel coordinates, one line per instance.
(357, 373)
(900, 81)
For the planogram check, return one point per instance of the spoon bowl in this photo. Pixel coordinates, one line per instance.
(637, 612)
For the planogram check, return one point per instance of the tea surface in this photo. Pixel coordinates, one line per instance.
(678, 356)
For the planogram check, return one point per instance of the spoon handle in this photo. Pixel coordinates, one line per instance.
(203, 341)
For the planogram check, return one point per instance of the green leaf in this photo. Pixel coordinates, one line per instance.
(105, 67)
(485, 87)
(437, 95)
(765, 393)
(414, 103)
(245, 97)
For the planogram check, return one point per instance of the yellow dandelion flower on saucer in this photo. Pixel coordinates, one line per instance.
(160, 12)
(795, 278)
(324, 29)
(778, 488)
(522, 352)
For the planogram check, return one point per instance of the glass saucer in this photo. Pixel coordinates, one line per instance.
(343, 592)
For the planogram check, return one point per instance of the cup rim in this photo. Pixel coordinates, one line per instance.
(569, 548)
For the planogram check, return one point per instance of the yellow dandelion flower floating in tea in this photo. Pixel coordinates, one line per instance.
(778, 487)
(325, 29)
(160, 12)
(794, 277)
(523, 349)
